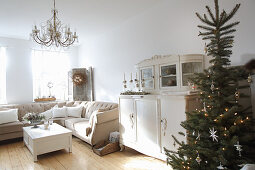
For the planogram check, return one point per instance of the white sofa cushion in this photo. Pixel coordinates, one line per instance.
(49, 113)
(59, 112)
(69, 123)
(80, 127)
(74, 111)
(8, 116)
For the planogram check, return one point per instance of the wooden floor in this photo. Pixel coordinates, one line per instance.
(14, 155)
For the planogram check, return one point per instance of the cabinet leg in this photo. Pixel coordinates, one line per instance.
(122, 147)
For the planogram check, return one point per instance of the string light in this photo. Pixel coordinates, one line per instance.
(225, 134)
(247, 118)
(215, 120)
(235, 123)
(235, 113)
(206, 114)
(221, 115)
(225, 128)
(241, 121)
(226, 109)
(223, 149)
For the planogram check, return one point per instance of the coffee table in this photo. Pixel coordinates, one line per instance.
(40, 141)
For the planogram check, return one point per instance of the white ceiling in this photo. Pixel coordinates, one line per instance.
(88, 17)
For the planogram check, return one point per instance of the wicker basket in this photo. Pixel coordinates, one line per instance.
(105, 147)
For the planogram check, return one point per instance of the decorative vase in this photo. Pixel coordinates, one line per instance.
(34, 123)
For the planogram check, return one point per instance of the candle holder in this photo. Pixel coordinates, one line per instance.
(124, 85)
(131, 85)
(137, 86)
(142, 85)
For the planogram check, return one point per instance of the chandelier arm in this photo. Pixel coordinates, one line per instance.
(43, 42)
(69, 36)
(39, 41)
(64, 42)
(66, 45)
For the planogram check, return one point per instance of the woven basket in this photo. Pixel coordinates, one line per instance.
(105, 147)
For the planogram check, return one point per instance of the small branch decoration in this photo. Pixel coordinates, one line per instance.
(79, 79)
(134, 93)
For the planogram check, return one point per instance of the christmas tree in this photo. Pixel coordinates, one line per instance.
(220, 134)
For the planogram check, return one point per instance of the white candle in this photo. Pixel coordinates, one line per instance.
(131, 76)
(136, 75)
(124, 77)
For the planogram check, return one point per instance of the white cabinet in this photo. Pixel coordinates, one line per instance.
(156, 118)
(148, 122)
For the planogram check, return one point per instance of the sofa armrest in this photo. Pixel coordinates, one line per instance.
(98, 118)
(109, 115)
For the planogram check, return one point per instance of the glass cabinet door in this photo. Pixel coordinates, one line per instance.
(188, 70)
(147, 78)
(168, 76)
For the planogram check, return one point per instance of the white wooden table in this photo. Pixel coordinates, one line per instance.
(40, 141)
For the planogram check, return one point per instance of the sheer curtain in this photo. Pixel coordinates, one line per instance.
(50, 67)
(3, 75)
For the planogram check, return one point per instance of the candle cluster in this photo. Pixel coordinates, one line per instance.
(133, 84)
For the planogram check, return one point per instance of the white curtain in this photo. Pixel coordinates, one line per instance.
(3, 75)
(50, 66)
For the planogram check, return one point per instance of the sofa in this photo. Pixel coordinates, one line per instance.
(97, 120)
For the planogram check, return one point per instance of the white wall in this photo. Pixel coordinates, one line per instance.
(168, 28)
(19, 82)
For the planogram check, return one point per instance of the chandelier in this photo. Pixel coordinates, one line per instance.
(53, 33)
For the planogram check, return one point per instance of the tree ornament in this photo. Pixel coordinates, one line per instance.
(212, 87)
(237, 95)
(193, 86)
(198, 136)
(221, 167)
(194, 133)
(204, 107)
(205, 49)
(213, 134)
(239, 148)
(249, 79)
(198, 159)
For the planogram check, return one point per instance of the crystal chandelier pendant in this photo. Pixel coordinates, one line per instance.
(53, 33)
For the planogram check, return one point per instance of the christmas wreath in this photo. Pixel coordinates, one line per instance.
(79, 79)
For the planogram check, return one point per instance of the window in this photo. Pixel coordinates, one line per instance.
(50, 68)
(3, 75)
